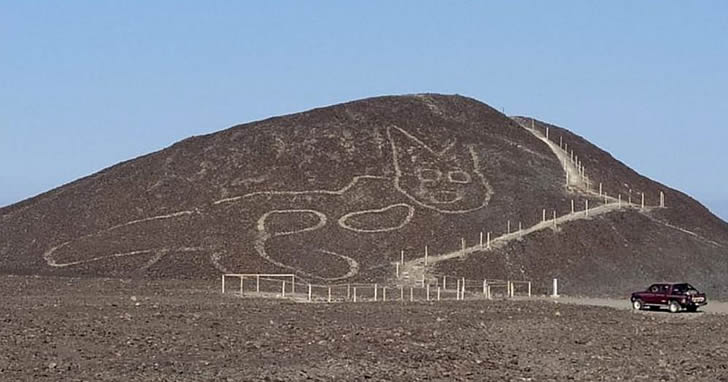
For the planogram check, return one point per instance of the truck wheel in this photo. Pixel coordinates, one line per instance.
(637, 304)
(674, 307)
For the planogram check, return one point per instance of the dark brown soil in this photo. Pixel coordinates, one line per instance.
(174, 213)
(103, 329)
(609, 255)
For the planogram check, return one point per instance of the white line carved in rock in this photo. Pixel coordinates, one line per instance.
(410, 213)
(448, 181)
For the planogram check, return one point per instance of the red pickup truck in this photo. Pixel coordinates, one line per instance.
(675, 296)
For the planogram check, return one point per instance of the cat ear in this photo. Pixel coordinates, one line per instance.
(406, 142)
(410, 153)
(469, 161)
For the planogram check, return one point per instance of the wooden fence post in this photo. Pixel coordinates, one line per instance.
(241, 284)
(643, 200)
(329, 294)
(384, 294)
(412, 294)
(223, 284)
(529, 289)
(586, 207)
(425, 255)
(348, 292)
(438, 293)
(401, 293)
(283, 289)
(427, 292)
(309, 292)
(257, 283)
(481, 239)
(376, 287)
(354, 294)
(488, 240)
(572, 206)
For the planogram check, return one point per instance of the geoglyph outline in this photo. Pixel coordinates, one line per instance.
(262, 236)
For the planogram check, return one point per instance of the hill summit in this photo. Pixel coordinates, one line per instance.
(341, 193)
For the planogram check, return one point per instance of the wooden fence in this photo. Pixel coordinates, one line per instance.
(287, 286)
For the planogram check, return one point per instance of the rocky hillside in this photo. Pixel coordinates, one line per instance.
(335, 194)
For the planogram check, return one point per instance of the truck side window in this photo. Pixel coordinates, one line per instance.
(654, 289)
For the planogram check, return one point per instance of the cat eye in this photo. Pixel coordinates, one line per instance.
(458, 176)
(429, 174)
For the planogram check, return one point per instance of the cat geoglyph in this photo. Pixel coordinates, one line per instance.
(448, 181)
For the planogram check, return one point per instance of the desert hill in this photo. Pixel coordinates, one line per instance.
(335, 194)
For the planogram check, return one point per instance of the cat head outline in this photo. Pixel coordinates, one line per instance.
(448, 181)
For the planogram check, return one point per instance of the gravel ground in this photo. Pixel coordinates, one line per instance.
(137, 330)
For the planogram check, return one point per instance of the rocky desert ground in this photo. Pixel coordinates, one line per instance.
(76, 329)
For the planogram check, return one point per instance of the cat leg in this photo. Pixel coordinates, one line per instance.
(281, 240)
(389, 218)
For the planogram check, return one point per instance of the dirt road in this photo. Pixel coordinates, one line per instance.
(715, 307)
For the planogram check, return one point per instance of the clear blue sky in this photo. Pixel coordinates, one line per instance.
(86, 84)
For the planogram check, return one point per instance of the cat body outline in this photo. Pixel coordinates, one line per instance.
(441, 181)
